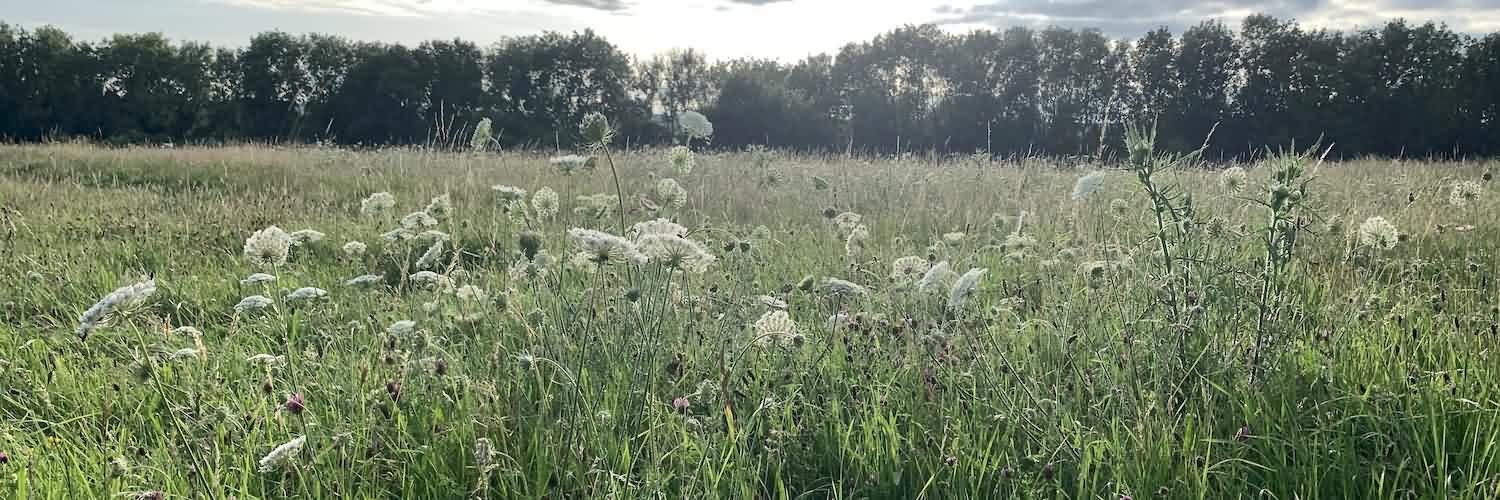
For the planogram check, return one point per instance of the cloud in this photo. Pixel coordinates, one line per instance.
(604, 5)
(758, 2)
(1131, 18)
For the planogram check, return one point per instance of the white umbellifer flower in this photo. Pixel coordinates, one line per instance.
(508, 193)
(187, 330)
(583, 261)
(771, 302)
(964, 287)
(596, 205)
(695, 125)
(604, 248)
(676, 252)
(837, 286)
(431, 279)
(1234, 179)
(569, 163)
(525, 271)
(377, 203)
(121, 297)
(471, 293)
(257, 278)
(775, 326)
(671, 193)
(1088, 185)
(305, 236)
(186, 352)
(1378, 233)
(937, 277)
(484, 452)
(1016, 242)
(365, 280)
(658, 226)
(252, 303)
(279, 456)
(305, 293)
(482, 137)
(1119, 208)
(545, 203)
(268, 247)
(266, 359)
(354, 248)
(847, 221)
(398, 234)
(907, 270)
(440, 208)
(1464, 192)
(417, 221)
(401, 328)
(430, 259)
(954, 237)
(683, 160)
(433, 235)
(856, 240)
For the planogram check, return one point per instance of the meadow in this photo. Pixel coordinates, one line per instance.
(766, 325)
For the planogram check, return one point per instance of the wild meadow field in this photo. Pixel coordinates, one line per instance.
(257, 322)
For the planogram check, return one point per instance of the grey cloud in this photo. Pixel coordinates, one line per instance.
(604, 5)
(1132, 18)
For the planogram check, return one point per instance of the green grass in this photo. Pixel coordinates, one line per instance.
(1379, 373)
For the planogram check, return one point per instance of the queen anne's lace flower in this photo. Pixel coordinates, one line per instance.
(1464, 192)
(508, 193)
(121, 297)
(683, 160)
(305, 294)
(695, 125)
(377, 203)
(604, 248)
(907, 270)
(964, 287)
(657, 226)
(282, 454)
(545, 203)
(671, 193)
(676, 252)
(775, 327)
(354, 248)
(305, 236)
(1234, 179)
(1378, 233)
(252, 303)
(268, 247)
(257, 279)
(1088, 185)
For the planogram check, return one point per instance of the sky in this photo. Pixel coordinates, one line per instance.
(776, 29)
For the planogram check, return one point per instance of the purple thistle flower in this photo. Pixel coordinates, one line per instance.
(294, 404)
(680, 404)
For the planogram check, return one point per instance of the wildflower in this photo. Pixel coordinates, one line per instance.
(1088, 185)
(508, 193)
(418, 220)
(1234, 179)
(771, 302)
(695, 125)
(676, 252)
(856, 240)
(597, 206)
(354, 249)
(954, 237)
(266, 359)
(1118, 208)
(304, 294)
(847, 221)
(1378, 233)
(527, 270)
(440, 208)
(545, 203)
(964, 287)
(4, 459)
(526, 360)
(282, 454)
(775, 326)
(305, 236)
(671, 193)
(187, 330)
(654, 227)
(252, 303)
(484, 452)
(482, 137)
(431, 279)
(122, 297)
(294, 404)
(401, 328)
(398, 234)
(596, 129)
(936, 277)
(681, 404)
(1243, 434)
(364, 280)
(568, 163)
(604, 248)
(683, 160)
(430, 258)
(1464, 192)
(187, 352)
(268, 247)
(257, 279)
(907, 270)
(471, 293)
(377, 203)
(837, 286)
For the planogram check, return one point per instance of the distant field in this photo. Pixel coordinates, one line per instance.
(1095, 335)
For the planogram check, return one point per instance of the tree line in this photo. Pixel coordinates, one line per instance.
(1397, 89)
